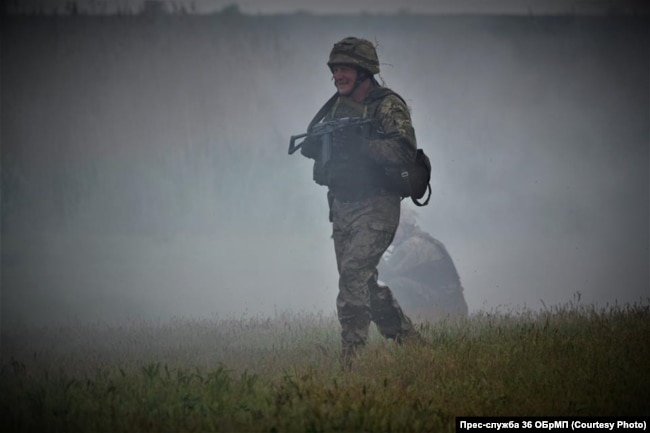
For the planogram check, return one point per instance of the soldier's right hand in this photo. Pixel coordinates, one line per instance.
(311, 147)
(347, 138)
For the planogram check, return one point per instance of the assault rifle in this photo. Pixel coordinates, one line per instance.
(324, 131)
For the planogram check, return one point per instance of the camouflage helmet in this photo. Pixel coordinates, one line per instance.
(355, 51)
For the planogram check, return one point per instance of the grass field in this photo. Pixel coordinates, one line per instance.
(282, 373)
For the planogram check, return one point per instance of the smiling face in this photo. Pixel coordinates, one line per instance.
(344, 78)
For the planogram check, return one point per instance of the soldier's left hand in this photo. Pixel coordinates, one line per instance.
(311, 147)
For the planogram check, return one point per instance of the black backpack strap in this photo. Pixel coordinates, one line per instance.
(426, 202)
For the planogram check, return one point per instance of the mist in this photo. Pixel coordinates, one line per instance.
(145, 172)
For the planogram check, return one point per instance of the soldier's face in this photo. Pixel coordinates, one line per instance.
(344, 77)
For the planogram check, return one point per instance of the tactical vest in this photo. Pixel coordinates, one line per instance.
(348, 173)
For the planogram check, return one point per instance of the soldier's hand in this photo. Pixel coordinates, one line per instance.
(347, 138)
(311, 147)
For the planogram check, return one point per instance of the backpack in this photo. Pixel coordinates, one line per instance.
(412, 180)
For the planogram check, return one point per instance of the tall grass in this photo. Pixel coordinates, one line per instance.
(282, 373)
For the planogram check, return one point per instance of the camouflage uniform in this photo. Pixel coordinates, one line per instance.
(422, 273)
(364, 208)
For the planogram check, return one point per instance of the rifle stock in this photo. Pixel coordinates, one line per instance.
(292, 142)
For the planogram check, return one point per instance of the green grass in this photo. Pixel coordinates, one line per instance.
(282, 373)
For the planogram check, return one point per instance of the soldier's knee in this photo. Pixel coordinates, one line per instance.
(381, 293)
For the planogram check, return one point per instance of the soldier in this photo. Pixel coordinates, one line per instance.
(421, 272)
(364, 206)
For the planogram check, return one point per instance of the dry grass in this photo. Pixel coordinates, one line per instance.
(283, 374)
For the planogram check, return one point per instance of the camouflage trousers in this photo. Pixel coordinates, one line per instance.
(362, 231)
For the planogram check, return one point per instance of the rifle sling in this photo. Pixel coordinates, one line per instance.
(323, 111)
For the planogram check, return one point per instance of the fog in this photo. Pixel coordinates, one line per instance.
(145, 172)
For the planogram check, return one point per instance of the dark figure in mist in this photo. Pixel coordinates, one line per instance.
(421, 272)
(364, 208)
